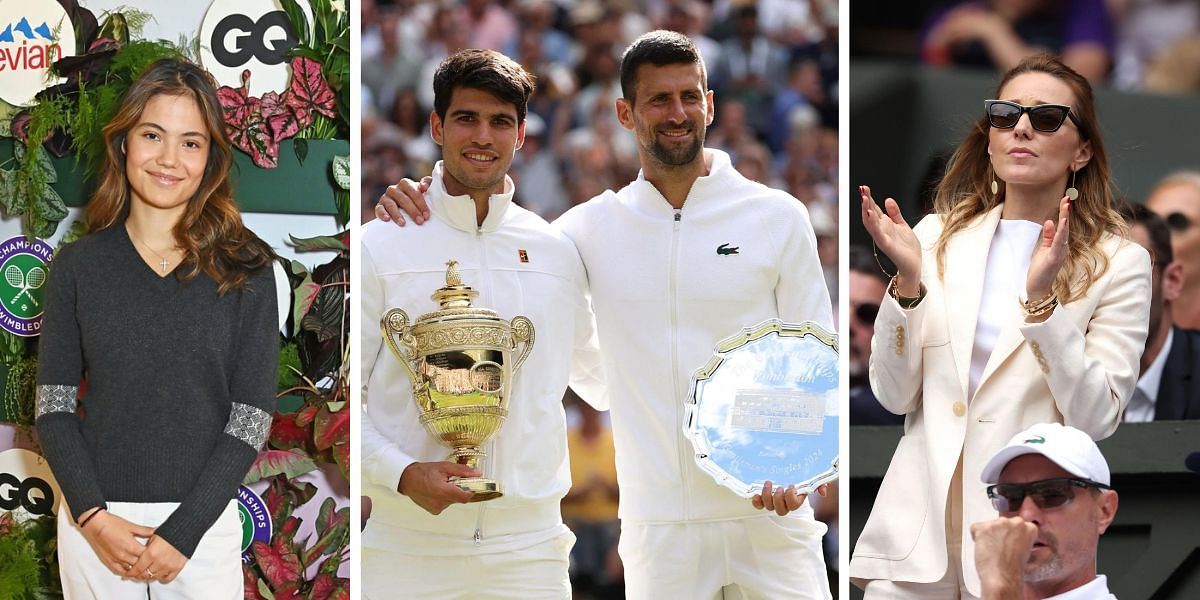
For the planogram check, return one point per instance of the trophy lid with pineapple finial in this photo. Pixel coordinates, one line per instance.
(454, 294)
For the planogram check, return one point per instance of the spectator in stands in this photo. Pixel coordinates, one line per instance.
(1051, 487)
(1168, 388)
(1177, 200)
(999, 34)
(590, 508)
(868, 286)
(490, 25)
(751, 69)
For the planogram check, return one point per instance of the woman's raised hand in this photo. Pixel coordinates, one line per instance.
(896, 239)
(1050, 254)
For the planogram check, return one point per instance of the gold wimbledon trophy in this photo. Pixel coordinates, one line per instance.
(458, 359)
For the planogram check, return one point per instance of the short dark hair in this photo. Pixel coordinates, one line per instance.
(1156, 230)
(485, 70)
(658, 48)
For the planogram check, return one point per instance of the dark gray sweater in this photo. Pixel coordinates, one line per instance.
(180, 383)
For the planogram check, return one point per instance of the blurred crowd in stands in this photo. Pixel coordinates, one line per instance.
(772, 65)
(1133, 45)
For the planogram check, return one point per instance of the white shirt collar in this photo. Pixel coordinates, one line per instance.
(1142, 411)
(1096, 589)
(459, 211)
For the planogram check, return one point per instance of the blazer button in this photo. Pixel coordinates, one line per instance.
(1043, 364)
(899, 340)
(960, 409)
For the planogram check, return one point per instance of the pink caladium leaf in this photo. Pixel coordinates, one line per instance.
(256, 140)
(292, 463)
(287, 434)
(330, 427)
(246, 125)
(279, 563)
(281, 118)
(250, 584)
(236, 103)
(309, 92)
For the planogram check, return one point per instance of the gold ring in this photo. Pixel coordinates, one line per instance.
(149, 573)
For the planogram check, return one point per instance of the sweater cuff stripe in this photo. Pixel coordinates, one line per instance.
(249, 424)
(56, 398)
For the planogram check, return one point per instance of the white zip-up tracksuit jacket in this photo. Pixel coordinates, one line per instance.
(666, 285)
(528, 456)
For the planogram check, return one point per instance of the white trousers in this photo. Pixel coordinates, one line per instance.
(538, 572)
(213, 573)
(753, 558)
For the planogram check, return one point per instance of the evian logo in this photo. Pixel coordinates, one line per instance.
(33, 35)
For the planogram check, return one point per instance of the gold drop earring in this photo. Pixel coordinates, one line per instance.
(1072, 192)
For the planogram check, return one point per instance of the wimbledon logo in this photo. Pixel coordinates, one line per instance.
(23, 265)
(33, 34)
(256, 521)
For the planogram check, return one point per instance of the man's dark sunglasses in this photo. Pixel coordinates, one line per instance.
(1003, 114)
(1047, 493)
(866, 312)
(1178, 222)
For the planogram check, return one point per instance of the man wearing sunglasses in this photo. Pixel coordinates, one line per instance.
(1168, 387)
(1177, 200)
(1050, 485)
(867, 286)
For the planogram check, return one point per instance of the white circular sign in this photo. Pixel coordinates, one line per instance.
(33, 34)
(27, 487)
(237, 35)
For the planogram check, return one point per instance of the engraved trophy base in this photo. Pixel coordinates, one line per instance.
(481, 488)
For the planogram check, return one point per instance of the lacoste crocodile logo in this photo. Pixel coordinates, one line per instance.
(725, 250)
(1036, 440)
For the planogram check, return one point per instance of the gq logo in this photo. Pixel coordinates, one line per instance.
(23, 266)
(237, 39)
(33, 494)
(27, 487)
(248, 35)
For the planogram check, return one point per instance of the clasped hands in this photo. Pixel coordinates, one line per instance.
(118, 544)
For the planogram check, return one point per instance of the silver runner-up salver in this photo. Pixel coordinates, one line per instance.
(765, 407)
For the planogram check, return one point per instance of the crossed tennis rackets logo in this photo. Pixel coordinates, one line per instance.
(34, 279)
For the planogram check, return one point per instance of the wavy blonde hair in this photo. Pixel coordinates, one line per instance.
(211, 233)
(964, 192)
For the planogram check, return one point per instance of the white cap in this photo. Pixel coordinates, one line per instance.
(1067, 447)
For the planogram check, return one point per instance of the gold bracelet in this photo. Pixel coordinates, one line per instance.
(1040, 303)
(1041, 306)
(906, 302)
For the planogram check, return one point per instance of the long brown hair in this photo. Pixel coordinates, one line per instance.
(210, 232)
(964, 192)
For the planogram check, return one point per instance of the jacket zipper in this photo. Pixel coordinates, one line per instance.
(479, 524)
(672, 298)
(490, 448)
